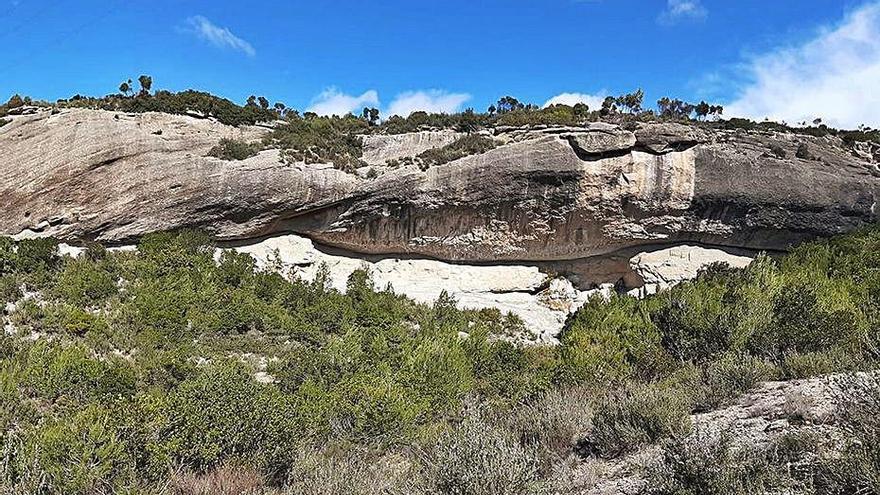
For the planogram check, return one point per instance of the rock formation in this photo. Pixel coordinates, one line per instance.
(546, 200)
(551, 193)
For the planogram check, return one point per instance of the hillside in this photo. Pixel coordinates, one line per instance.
(205, 298)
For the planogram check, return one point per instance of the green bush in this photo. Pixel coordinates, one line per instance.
(479, 458)
(222, 413)
(608, 340)
(637, 415)
(84, 282)
(57, 372)
(321, 140)
(180, 103)
(82, 453)
(472, 144)
(9, 289)
(233, 149)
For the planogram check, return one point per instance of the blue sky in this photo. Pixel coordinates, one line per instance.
(402, 55)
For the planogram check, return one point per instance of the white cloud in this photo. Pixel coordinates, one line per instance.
(677, 10)
(431, 101)
(332, 102)
(593, 101)
(833, 76)
(219, 36)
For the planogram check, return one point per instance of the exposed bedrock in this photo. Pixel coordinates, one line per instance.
(543, 194)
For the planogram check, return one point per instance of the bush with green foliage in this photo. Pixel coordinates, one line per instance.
(478, 458)
(233, 149)
(182, 103)
(638, 414)
(314, 139)
(145, 361)
(472, 144)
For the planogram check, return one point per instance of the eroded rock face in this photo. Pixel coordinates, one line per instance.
(547, 194)
(378, 149)
(664, 268)
(543, 301)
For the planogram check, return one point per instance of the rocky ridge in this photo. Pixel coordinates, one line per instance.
(558, 211)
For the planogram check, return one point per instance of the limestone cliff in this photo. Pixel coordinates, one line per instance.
(543, 194)
(517, 228)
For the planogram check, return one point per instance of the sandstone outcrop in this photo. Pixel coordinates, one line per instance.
(540, 207)
(553, 194)
(664, 268)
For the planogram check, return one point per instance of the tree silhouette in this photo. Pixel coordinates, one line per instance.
(15, 101)
(508, 104)
(702, 109)
(609, 105)
(371, 115)
(146, 83)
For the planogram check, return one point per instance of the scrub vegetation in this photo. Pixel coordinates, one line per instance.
(174, 370)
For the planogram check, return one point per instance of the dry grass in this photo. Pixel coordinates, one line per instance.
(556, 422)
(228, 479)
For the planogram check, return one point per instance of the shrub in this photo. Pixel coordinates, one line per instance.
(556, 422)
(223, 414)
(56, 371)
(857, 470)
(506, 373)
(78, 454)
(637, 415)
(180, 103)
(608, 340)
(233, 149)
(351, 472)
(692, 320)
(477, 457)
(9, 289)
(37, 258)
(227, 479)
(700, 465)
(803, 323)
(472, 144)
(729, 377)
(84, 282)
(812, 364)
(321, 140)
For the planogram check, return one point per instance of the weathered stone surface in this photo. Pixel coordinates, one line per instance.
(113, 177)
(599, 141)
(378, 149)
(668, 136)
(664, 268)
